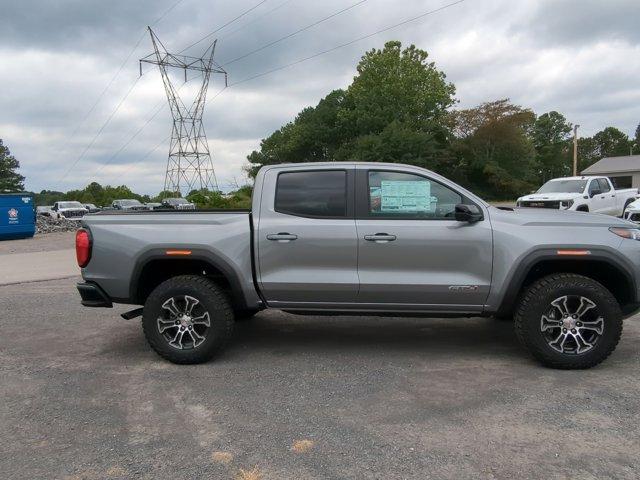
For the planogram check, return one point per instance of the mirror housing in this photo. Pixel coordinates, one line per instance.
(468, 213)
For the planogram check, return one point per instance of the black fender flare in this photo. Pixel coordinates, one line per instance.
(197, 254)
(516, 277)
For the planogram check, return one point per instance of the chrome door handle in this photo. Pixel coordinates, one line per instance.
(380, 238)
(281, 237)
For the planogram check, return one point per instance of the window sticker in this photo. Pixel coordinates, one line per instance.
(403, 196)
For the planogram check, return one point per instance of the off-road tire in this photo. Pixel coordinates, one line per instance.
(536, 300)
(213, 300)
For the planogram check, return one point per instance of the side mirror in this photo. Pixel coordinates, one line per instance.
(593, 193)
(468, 213)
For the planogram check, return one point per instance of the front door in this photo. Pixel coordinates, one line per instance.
(598, 202)
(413, 254)
(307, 246)
(609, 195)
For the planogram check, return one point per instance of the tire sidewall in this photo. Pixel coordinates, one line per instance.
(216, 335)
(606, 305)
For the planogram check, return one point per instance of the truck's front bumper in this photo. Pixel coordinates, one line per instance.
(93, 296)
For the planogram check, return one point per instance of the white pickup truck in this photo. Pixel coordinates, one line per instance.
(582, 194)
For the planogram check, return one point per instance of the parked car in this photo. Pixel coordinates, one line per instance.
(632, 212)
(91, 208)
(178, 204)
(129, 204)
(153, 205)
(382, 239)
(69, 209)
(44, 210)
(583, 194)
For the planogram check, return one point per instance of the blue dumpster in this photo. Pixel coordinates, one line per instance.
(17, 215)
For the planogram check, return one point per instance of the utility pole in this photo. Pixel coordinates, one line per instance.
(575, 149)
(189, 166)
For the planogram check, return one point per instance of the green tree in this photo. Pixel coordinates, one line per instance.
(636, 140)
(10, 179)
(495, 149)
(552, 141)
(166, 194)
(609, 142)
(394, 110)
(588, 152)
(612, 142)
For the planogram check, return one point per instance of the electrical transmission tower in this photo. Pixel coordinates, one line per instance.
(189, 166)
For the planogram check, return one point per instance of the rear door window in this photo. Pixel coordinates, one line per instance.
(317, 194)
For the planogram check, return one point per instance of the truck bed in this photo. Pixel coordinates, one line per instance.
(125, 242)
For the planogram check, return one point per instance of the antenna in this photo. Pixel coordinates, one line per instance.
(189, 165)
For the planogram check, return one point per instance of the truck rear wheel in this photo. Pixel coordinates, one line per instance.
(187, 319)
(568, 321)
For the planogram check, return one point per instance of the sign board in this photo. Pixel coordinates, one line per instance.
(403, 196)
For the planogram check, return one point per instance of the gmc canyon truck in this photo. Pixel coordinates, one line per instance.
(582, 194)
(372, 239)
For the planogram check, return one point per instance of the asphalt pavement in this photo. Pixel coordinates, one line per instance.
(293, 397)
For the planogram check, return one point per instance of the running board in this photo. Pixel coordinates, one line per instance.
(132, 313)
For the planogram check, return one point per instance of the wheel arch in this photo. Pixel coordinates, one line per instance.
(603, 266)
(155, 266)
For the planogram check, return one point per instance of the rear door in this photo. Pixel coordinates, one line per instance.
(413, 254)
(306, 239)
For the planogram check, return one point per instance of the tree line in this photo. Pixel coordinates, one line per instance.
(105, 195)
(399, 108)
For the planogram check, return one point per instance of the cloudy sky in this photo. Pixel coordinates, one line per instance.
(581, 58)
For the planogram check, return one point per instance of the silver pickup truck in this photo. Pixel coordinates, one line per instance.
(369, 238)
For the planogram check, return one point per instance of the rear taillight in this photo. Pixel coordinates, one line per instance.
(83, 247)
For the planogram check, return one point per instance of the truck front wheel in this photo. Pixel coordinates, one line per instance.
(187, 319)
(568, 321)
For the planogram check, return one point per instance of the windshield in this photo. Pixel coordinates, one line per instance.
(70, 205)
(128, 203)
(563, 186)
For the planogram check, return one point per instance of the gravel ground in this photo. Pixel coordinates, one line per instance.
(40, 243)
(83, 397)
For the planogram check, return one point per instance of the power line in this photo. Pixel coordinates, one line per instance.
(106, 89)
(223, 26)
(318, 54)
(233, 32)
(166, 12)
(102, 94)
(292, 34)
(157, 109)
(144, 157)
(104, 125)
(315, 55)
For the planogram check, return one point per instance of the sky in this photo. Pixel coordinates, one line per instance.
(579, 57)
